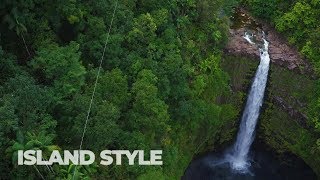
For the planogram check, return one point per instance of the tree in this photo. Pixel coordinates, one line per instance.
(157, 87)
(76, 172)
(8, 65)
(62, 66)
(266, 9)
(32, 103)
(110, 100)
(143, 31)
(149, 113)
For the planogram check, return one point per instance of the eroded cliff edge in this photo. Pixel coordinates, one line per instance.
(281, 53)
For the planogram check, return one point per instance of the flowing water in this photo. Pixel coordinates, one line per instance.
(247, 36)
(238, 158)
(237, 163)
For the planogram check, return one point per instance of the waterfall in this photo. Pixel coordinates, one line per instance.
(248, 37)
(238, 158)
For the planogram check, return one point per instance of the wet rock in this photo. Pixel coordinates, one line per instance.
(281, 53)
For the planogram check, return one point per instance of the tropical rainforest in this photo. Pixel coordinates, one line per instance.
(165, 82)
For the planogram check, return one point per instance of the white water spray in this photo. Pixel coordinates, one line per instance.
(248, 37)
(238, 158)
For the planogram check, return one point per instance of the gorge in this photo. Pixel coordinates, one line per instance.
(238, 162)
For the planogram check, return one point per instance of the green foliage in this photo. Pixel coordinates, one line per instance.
(280, 129)
(149, 113)
(266, 9)
(62, 66)
(215, 77)
(152, 175)
(7, 66)
(159, 87)
(303, 30)
(92, 42)
(75, 172)
(31, 102)
(143, 31)
(298, 21)
(71, 10)
(110, 99)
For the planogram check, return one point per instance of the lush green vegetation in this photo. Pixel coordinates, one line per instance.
(283, 124)
(159, 88)
(165, 83)
(298, 21)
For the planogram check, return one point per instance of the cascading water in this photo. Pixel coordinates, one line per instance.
(238, 158)
(248, 37)
(235, 163)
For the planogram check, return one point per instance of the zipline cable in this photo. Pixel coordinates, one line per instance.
(38, 172)
(98, 74)
(95, 84)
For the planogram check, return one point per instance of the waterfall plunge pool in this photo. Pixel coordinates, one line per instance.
(264, 166)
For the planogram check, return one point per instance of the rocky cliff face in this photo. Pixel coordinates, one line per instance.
(283, 126)
(281, 53)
